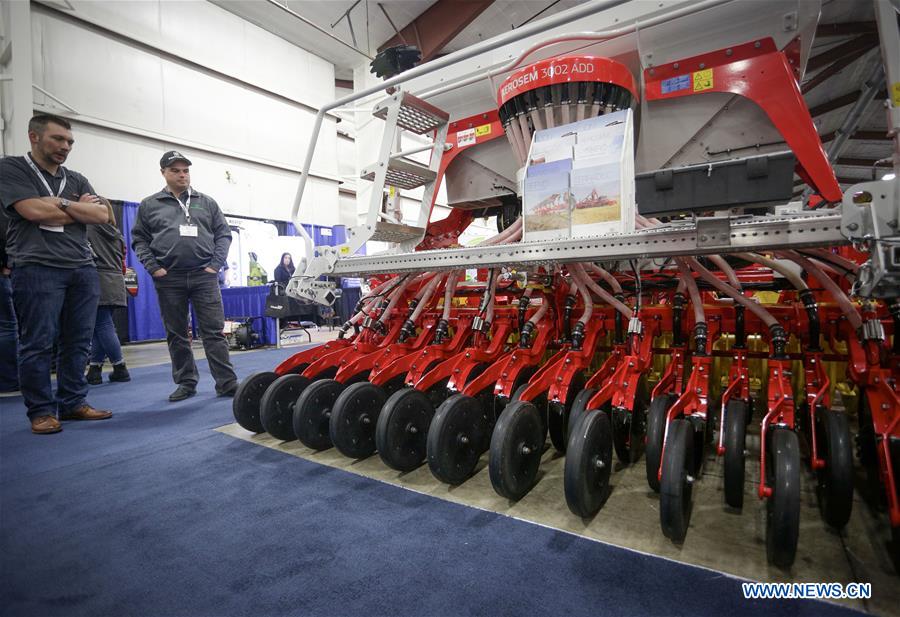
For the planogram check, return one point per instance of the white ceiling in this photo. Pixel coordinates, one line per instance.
(370, 25)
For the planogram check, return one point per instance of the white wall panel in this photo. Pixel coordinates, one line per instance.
(132, 87)
(208, 35)
(248, 143)
(240, 188)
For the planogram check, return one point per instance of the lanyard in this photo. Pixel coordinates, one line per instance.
(185, 206)
(62, 185)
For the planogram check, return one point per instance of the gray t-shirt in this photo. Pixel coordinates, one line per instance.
(26, 242)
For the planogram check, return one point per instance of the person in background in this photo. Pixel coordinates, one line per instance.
(223, 276)
(54, 280)
(9, 338)
(109, 249)
(182, 238)
(285, 269)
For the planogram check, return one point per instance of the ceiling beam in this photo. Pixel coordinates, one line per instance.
(438, 25)
(866, 41)
(835, 67)
(846, 29)
(841, 101)
(863, 135)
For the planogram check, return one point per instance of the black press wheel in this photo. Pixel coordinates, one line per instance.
(457, 438)
(676, 483)
(247, 398)
(630, 426)
(402, 429)
(517, 444)
(735, 433)
(312, 413)
(558, 413)
(276, 408)
(783, 506)
(588, 464)
(353, 419)
(656, 431)
(579, 407)
(835, 480)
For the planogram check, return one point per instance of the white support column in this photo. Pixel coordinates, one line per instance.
(15, 119)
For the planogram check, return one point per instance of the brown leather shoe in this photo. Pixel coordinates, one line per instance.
(86, 412)
(45, 425)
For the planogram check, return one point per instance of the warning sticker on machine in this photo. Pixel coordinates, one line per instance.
(465, 138)
(895, 93)
(682, 82)
(484, 129)
(703, 80)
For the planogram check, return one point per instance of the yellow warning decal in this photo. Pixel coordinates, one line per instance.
(703, 80)
(345, 250)
(484, 129)
(895, 93)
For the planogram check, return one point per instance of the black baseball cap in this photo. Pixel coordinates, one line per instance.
(172, 156)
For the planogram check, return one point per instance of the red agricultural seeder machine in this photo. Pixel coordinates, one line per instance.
(718, 319)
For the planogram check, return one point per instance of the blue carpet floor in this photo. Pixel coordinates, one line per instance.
(153, 513)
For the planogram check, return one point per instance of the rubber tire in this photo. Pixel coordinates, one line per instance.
(399, 448)
(245, 406)
(540, 402)
(579, 407)
(675, 490)
(450, 460)
(656, 431)
(783, 507)
(512, 472)
(835, 480)
(354, 417)
(276, 408)
(312, 413)
(586, 485)
(735, 444)
(628, 443)
(558, 414)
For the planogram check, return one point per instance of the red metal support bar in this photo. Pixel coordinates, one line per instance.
(738, 387)
(781, 412)
(760, 72)
(817, 386)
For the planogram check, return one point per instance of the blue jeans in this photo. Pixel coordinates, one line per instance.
(105, 343)
(51, 304)
(9, 338)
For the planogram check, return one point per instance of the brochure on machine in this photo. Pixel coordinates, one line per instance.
(597, 200)
(592, 163)
(546, 207)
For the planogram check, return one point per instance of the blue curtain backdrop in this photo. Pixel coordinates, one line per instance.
(144, 321)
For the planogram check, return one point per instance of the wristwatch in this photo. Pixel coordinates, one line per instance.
(64, 204)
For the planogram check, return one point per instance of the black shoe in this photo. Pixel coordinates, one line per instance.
(229, 391)
(120, 373)
(95, 374)
(181, 393)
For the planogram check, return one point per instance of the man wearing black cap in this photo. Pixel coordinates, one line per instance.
(182, 239)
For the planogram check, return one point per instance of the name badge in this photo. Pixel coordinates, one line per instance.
(54, 228)
(188, 231)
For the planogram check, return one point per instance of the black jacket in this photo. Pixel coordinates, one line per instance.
(282, 274)
(108, 245)
(157, 240)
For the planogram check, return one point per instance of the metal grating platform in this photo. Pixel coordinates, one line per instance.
(403, 174)
(394, 232)
(416, 116)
